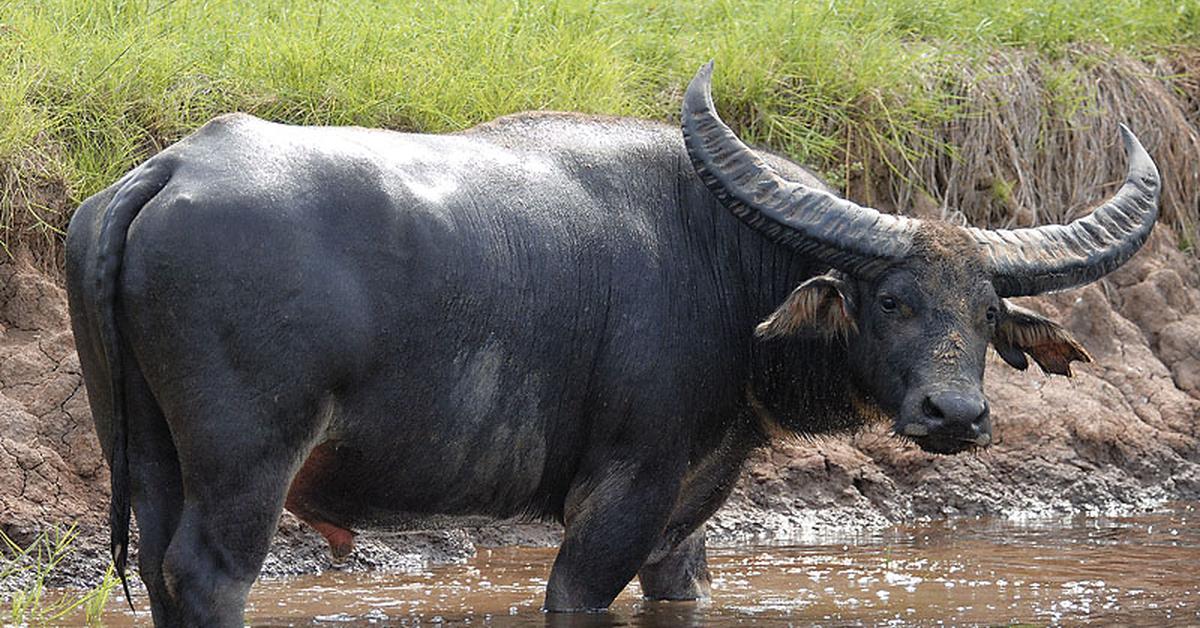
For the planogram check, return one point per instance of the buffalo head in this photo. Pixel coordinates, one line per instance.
(917, 302)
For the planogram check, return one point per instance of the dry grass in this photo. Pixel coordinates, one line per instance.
(35, 206)
(1035, 141)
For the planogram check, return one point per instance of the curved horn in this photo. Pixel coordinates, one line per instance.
(1057, 257)
(851, 238)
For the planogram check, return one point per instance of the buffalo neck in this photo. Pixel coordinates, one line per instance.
(799, 384)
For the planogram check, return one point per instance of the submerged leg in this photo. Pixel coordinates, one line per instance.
(614, 518)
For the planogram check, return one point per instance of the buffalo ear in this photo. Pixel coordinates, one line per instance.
(1022, 331)
(819, 305)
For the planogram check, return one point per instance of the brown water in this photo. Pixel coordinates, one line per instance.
(1140, 570)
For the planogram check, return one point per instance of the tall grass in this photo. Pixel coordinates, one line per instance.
(90, 87)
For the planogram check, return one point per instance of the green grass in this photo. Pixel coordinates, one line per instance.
(34, 604)
(90, 87)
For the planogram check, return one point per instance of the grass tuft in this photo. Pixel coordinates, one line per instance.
(34, 566)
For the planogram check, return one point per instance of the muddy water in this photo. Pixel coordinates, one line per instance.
(1141, 570)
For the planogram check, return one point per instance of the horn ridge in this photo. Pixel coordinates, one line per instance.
(854, 239)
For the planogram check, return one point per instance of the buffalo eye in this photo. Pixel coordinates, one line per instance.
(993, 313)
(888, 304)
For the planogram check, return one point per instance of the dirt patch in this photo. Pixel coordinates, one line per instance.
(51, 467)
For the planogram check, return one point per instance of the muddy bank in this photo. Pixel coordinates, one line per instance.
(1122, 434)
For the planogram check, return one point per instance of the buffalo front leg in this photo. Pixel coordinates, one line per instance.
(614, 518)
(680, 575)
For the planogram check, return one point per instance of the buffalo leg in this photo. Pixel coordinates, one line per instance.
(237, 467)
(220, 544)
(613, 522)
(157, 495)
(680, 575)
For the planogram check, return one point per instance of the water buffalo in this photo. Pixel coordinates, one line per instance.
(550, 316)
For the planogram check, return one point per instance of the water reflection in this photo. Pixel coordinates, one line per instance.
(1141, 570)
(649, 615)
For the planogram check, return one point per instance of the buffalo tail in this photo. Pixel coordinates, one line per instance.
(141, 186)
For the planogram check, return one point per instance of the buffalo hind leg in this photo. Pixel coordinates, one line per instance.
(680, 575)
(613, 521)
(220, 545)
(157, 491)
(236, 473)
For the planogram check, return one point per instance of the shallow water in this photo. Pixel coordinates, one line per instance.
(1138, 570)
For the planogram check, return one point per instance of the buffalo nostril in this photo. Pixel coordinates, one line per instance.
(956, 407)
(983, 415)
(931, 409)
